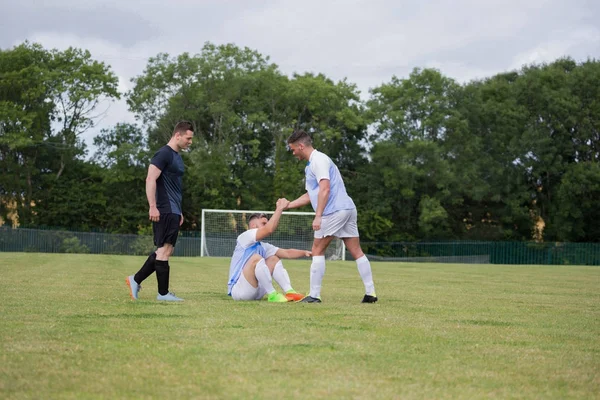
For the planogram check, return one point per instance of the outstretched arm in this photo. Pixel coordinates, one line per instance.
(292, 253)
(300, 201)
(270, 227)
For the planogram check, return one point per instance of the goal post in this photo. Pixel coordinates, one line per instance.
(220, 229)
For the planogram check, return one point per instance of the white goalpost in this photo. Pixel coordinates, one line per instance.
(220, 229)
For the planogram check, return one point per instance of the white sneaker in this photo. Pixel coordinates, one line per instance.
(168, 297)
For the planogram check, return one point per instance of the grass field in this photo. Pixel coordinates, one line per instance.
(69, 330)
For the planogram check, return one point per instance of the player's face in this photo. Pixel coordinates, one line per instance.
(185, 140)
(262, 222)
(296, 149)
(258, 223)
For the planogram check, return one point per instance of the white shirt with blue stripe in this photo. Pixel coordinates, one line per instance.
(245, 247)
(321, 167)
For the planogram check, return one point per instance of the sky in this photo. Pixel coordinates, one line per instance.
(364, 41)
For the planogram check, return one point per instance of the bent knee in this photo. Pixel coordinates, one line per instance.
(163, 253)
(272, 261)
(254, 259)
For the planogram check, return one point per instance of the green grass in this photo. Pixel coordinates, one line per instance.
(69, 330)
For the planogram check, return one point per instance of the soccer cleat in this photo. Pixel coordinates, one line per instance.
(309, 299)
(168, 297)
(369, 298)
(292, 295)
(134, 287)
(276, 297)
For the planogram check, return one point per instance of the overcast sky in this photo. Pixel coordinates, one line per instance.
(365, 41)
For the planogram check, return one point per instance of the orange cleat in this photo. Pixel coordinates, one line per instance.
(294, 296)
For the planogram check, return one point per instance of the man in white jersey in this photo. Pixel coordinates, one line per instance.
(335, 215)
(254, 263)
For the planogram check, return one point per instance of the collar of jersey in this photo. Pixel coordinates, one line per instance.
(311, 156)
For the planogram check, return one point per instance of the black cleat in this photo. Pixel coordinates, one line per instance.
(369, 299)
(309, 299)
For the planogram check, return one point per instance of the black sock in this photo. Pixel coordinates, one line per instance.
(162, 276)
(146, 270)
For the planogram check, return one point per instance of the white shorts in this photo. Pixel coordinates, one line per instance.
(243, 290)
(341, 224)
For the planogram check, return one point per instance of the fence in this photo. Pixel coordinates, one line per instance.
(487, 252)
(54, 241)
(189, 245)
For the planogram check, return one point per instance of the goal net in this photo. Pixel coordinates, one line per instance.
(220, 229)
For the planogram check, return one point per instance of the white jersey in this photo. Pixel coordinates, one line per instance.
(321, 167)
(245, 247)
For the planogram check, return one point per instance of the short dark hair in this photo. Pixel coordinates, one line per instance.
(257, 216)
(300, 136)
(182, 127)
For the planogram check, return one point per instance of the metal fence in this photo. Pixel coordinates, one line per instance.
(189, 245)
(56, 241)
(552, 253)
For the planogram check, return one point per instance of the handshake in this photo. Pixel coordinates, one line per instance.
(282, 204)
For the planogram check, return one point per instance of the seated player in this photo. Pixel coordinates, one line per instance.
(255, 264)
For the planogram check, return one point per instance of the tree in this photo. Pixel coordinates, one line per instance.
(81, 85)
(217, 90)
(577, 212)
(25, 119)
(497, 196)
(123, 155)
(243, 109)
(561, 138)
(48, 98)
(334, 115)
(412, 168)
(77, 201)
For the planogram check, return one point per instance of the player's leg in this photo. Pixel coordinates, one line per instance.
(147, 269)
(249, 270)
(165, 241)
(258, 275)
(349, 235)
(317, 268)
(135, 281)
(244, 291)
(282, 278)
(279, 273)
(330, 224)
(364, 268)
(163, 269)
(246, 288)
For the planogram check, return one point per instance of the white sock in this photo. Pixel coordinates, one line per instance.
(364, 269)
(263, 275)
(282, 277)
(317, 270)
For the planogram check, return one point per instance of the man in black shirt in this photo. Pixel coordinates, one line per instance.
(164, 192)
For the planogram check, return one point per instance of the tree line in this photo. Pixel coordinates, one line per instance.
(510, 157)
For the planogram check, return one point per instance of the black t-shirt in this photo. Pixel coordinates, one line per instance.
(170, 182)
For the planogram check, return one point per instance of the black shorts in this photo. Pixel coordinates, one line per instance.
(166, 229)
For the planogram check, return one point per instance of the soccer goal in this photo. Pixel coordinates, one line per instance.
(220, 229)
